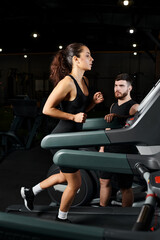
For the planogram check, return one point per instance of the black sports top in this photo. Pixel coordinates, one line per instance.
(78, 105)
(122, 110)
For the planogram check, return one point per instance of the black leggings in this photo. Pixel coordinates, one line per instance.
(64, 127)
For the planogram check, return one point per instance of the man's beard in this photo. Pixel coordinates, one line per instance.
(122, 96)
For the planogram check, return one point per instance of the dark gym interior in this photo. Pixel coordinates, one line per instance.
(31, 33)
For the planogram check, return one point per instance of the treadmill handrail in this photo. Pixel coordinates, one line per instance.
(149, 96)
(75, 139)
(110, 162)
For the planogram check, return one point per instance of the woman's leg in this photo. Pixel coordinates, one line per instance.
(28, 194)
(53, 180)
(74, 183)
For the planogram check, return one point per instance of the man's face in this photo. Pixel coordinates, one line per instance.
(121, 89)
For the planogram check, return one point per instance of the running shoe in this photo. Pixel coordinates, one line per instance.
(28, 197)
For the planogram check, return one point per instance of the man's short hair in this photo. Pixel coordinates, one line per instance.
(124, 76)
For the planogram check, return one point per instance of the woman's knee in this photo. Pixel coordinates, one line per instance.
(79, 183)
(74, 181)
(61, 177)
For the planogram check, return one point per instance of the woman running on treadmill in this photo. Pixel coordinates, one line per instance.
(72, 94)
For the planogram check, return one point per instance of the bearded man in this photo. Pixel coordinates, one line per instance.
(123, 108)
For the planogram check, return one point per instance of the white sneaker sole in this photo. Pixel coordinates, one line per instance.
(24, 198)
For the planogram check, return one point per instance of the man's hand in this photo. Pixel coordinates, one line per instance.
(109, 117)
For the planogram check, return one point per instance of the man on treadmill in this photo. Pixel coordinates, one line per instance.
(122, 109)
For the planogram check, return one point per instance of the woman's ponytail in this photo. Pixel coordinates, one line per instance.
(62, 62)
(59, 67)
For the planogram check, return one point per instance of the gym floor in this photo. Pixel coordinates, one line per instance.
(23, 168)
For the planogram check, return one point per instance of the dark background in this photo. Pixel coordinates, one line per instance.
(102, 25)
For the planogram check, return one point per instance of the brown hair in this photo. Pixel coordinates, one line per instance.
(62, 62)
(124, 76)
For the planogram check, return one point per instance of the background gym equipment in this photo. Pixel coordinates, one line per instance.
(21, 132)
(24, 128)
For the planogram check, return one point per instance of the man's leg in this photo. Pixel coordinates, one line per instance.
(105, 191)
(127, 197)
(125, 184)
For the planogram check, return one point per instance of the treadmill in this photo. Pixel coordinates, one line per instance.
(115, 223)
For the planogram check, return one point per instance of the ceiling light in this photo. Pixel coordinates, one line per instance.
(131, 30)
(60, 46)
(0, 49)
(125, 3)
(35, 35)
(134, 45)
(135, 53)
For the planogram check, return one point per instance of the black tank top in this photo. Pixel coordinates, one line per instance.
(78, 105)
(123, 110)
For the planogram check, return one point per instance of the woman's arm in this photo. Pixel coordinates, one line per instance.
(97, 98)
(60, 93)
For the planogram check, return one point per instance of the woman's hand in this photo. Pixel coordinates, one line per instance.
(80, 117)
(98, 98)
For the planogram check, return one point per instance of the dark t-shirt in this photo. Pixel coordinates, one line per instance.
(122, 110)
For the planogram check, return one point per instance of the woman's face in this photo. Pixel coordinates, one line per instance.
(85, 60)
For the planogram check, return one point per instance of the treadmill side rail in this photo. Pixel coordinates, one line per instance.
(75, 139)
(111, 162)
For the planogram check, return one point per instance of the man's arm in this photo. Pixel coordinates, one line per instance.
(109, 117)
(133, 109)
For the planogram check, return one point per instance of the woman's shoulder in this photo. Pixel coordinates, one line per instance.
(66, 80)
(65, 83)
